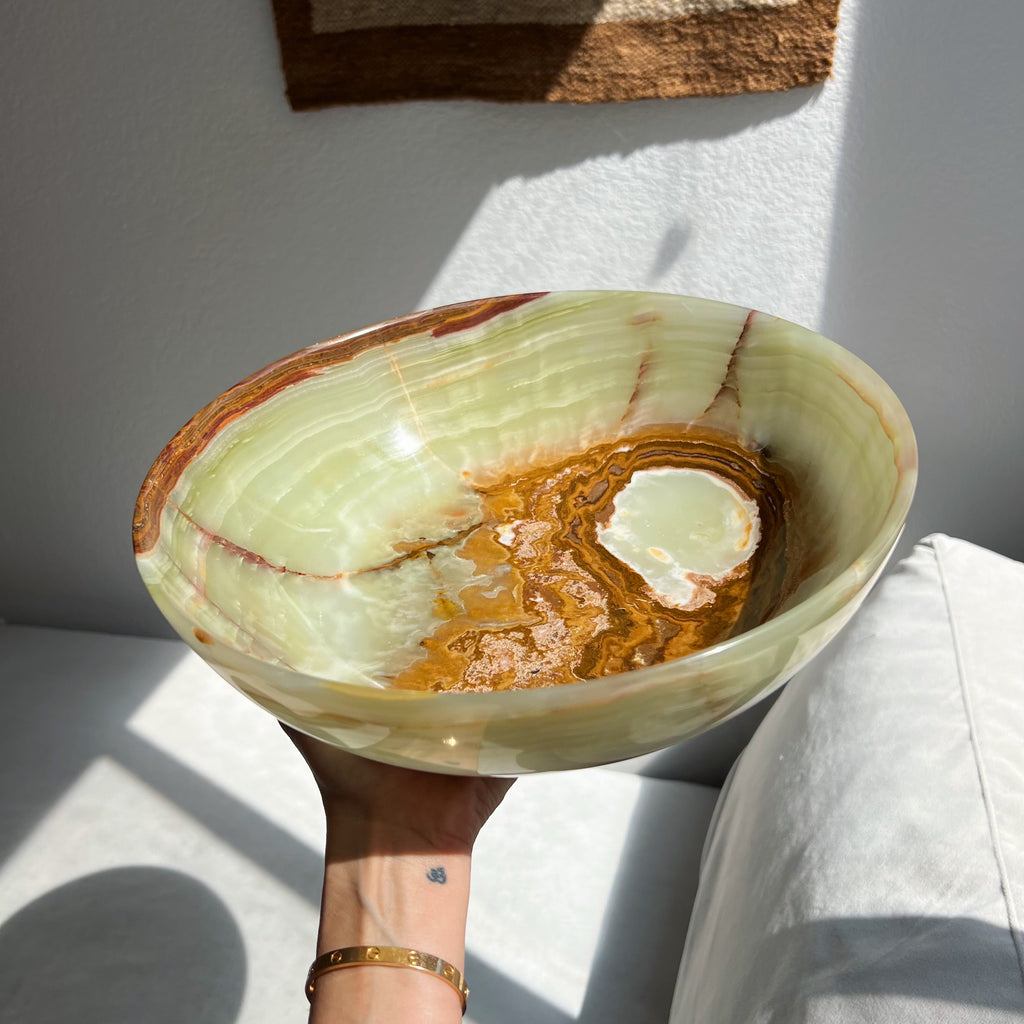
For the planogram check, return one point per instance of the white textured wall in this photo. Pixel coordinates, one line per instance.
(169, 226)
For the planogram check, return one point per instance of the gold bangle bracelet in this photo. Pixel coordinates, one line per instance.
(386, 956)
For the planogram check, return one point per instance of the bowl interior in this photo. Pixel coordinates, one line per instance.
(302, 531)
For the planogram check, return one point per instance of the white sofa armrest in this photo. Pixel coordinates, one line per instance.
(867, 858)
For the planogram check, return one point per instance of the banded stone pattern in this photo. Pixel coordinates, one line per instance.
(323, 529)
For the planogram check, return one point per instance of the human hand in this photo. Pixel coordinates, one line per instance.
(435, 812)
(396, 873)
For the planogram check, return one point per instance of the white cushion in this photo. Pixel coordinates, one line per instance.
(867, 858)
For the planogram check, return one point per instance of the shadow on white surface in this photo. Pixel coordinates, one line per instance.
(66, 697)
(919, 965)
(97, 814)
(129, 944)
(584, 883)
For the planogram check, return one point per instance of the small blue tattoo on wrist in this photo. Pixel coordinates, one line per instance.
(437, 875)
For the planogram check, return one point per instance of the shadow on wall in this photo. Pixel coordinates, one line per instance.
(475, 147)
(201, 231)
(315, 52)
(928, 250)
(129, 944)
(671, 247)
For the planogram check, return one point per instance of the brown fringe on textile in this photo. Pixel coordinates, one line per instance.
(749, 46)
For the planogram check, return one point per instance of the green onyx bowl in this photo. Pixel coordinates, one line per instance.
(319, 532)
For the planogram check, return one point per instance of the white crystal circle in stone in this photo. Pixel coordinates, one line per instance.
(670, 525)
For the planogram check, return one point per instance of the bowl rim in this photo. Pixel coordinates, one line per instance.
(469, 706)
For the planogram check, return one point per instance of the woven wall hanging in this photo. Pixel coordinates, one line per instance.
(576, 51)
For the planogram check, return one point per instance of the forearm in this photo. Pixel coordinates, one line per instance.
(381, 887)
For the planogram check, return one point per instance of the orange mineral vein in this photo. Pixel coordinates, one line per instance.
(547, 604)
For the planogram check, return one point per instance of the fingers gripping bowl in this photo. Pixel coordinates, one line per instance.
(528, 533)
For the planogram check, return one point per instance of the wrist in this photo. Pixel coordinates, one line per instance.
(396, 899)
(379, 893)
(354, 828)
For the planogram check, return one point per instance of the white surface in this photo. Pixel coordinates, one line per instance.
(133, 777)
(867, 859)
(582, 888)
(170, 226)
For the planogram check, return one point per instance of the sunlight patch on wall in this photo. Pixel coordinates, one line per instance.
(730, 199)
